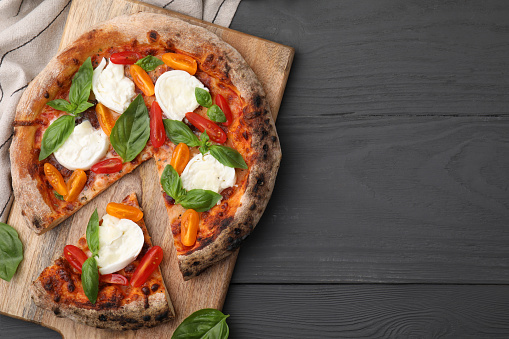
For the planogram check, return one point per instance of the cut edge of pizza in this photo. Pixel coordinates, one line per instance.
(59, 289)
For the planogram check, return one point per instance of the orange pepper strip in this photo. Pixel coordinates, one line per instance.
(105, 118)
(75, 184)
(122, 211)
(142, 80)
(55, 179)
(180, 61)
(180, 157)
(189, 227)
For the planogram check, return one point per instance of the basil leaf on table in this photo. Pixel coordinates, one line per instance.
(55, 135)
(200, 200)
(203, 97)
(149, 63)
(228, 156)
(216, 114)
(132, 130)
(179, 132)
(93, 233)
(11, 251)
(205, 323)
(90, 279)
(81, 84)
(171, 183)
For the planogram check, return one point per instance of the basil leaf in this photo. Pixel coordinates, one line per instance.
(55, 135)
(172, 184)
(205, 323)
(93, 233)
(90, 279)
(61, 105)
(228, 156)
(131, 131)
(83, 107)
(81, 84)
(149, 63)
(58, 196)
(216, 114)
(205, 142)
(203, 97)
(179, 132)
(199, 200)
(11, 251)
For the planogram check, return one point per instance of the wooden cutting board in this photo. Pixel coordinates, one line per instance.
(270, 61)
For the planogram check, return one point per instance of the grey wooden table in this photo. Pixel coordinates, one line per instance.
(390, 216)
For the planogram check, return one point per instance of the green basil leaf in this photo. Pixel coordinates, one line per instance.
(83, 107)
(149, 63)
(179, 132)
(132, 130)
(205, 323)
(216, 114)
(203, 97)
(61, 105)
(205, 142)
(171, 183)
(58, 196)
(90, 279)
(93, 233)
(55, 135)
(228, 156)
(11, 251)
(81, 83)
(199, 200)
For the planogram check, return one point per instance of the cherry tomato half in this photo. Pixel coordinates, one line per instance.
(180, 157)
(75, 184)
(75, 256)
(55, 179)
(189, 227)
(223, 104)
(142, 80)
(114, 278)
(105, 118)
(214, 132)
(181, 62)
(157, 132)
(147, 265)
(124, 58)
(111, 165)
(122, 211)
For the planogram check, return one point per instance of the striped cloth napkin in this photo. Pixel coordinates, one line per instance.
(30, 33)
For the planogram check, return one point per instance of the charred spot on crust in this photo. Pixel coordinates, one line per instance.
(266, 147)
(36, 221)
(196, 263)
(170, 45)
(187, 274)
(226, 70)
(162, 316)
(102, 317)
(33, 169)
(46, 95)
(130, 320)
(252, 207)
(145, 290)
(237, 231)
(134, 43)
(225, 223)
(146, 305)
(244, 134)
(209, 58)
(264, 134)
(59, 83)
(153, 35)
(57, 298)
(48, 286)
(76, 61)
(146, 318)
(71, 287)
(273, 138)
(257, 100)
(234, 244)
(154, 287)
(56, 311)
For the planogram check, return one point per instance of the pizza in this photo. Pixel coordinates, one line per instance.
(140, 87)
(118, 304)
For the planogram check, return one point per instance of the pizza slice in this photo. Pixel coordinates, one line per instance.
(118, 304)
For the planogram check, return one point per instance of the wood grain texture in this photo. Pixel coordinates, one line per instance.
(206, 291)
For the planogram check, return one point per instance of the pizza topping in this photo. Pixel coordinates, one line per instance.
(55, 179)
(142, 80)
(180, 62)
(111, 87)
(116, 279)
(215, 132)
(124, 58)
(180, 157)
(120, 242)
(106, 120)
(214, 112)
(90, 279)
(84, 147)
(148, 264)
(111, 165)
(223, 104)
(189, 227)
(75, 256)
(149, 63)
(132, 130)
(122, 211)
(75, 184)
(205, 172)
(55, 135)
(157, 133)
(175, 92)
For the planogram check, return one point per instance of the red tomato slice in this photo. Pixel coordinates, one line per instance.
(114, 278)
(75, 256)
(157, 132)
(214, 132)
(124, 58)
(147, 265)
(111, 165)
(223, 104)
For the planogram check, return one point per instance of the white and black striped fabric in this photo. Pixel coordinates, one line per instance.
(30, 32)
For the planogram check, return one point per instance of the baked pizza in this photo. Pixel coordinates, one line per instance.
(128, 294)
(140, 87)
